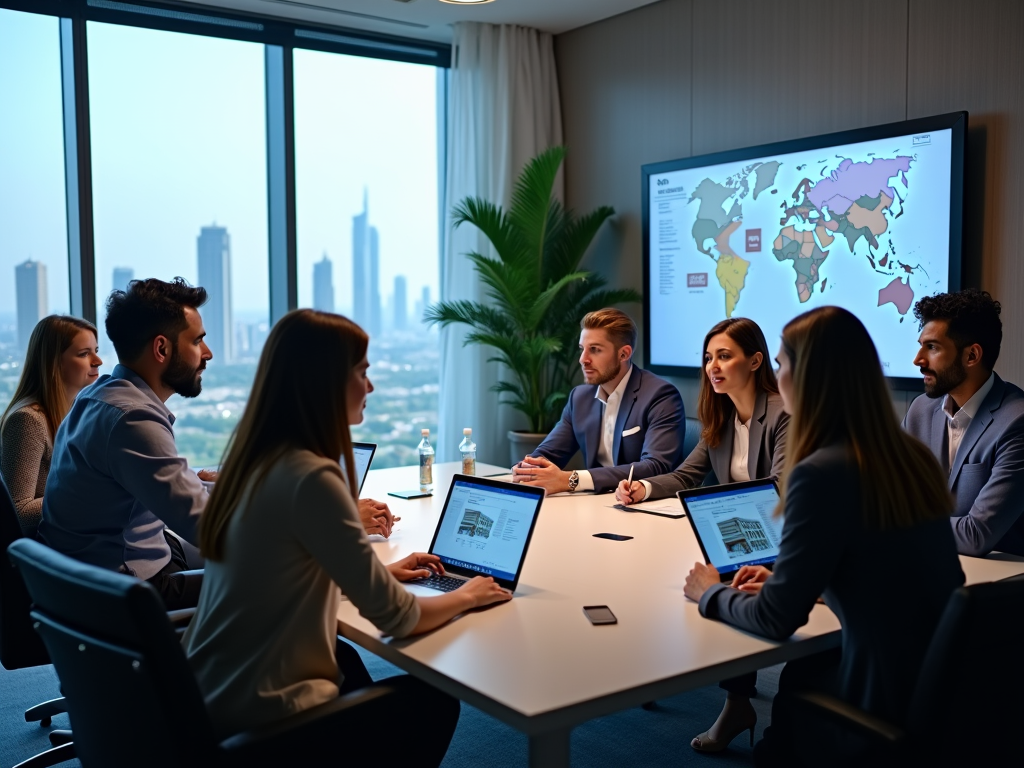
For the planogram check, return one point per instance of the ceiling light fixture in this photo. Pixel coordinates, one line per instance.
(467, 2)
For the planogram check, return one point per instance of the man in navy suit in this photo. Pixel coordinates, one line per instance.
(971, 419)
(622, 417)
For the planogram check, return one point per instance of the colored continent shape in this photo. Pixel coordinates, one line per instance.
(898, 293)
(731, 270)
(807, 257)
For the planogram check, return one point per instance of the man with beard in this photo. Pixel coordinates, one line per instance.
(621, 419)
(971, 419)
(116, 482)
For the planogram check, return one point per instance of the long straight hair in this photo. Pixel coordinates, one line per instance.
(299, 400)
(840, 395)
(713, 408)
(41, 380)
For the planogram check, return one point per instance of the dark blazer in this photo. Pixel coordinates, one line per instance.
(649, 430)
(987, 476)
(827, 550)
(765, 458)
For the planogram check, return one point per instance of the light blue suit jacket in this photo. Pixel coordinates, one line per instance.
(987, 476)
(649, 430)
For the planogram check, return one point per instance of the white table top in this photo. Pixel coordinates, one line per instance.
(536, 662)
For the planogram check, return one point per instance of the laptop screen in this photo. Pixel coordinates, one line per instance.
(736, 526)
(363, 454)
(485, 528)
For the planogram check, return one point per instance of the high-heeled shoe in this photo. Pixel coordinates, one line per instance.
(704, 743)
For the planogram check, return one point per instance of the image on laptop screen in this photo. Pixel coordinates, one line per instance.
(363, 454)
(485, 529)
(736, 527)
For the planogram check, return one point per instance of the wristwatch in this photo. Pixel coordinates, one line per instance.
(574, 480)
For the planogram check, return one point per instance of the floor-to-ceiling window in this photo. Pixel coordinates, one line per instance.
(33, 229)
(178, 130)
(366, 169)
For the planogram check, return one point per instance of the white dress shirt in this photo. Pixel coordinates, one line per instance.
(958, 422)
(606, 450)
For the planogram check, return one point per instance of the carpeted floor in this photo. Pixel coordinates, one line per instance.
(635, 737)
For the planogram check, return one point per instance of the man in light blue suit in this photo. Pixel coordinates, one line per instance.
(971, 419)
(622, 417)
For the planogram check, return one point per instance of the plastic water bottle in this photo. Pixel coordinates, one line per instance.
(426, 462)
(468, 450)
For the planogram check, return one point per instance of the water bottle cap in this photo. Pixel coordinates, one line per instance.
(467, 431)
(424, 432)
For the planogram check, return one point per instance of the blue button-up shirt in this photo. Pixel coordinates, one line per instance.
(116, 479)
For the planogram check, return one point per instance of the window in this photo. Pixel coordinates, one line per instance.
(33, 228)
(366, 179)
(179, 187)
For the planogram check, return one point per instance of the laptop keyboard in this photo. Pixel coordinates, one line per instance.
(441, 583)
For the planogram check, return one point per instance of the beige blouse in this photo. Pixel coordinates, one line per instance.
(262, 640)
(26, 448)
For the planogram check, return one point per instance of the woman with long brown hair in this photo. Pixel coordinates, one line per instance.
(62, 359)
(281, 533)
(743, 437)
(864, 505)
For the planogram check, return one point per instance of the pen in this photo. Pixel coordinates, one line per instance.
(629, 480)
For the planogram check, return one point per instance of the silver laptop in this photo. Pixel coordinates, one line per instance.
(735, 524)
(485, 529)
(363, 455)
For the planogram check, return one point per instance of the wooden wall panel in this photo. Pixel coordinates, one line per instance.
(969, 56)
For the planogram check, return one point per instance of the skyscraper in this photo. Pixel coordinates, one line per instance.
(122, 276)
(365, 271)
(425, 298)
(400, 304)
(214, 250)
(323, 285)
(30, 297)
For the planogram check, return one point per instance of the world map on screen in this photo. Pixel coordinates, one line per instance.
(864, 226)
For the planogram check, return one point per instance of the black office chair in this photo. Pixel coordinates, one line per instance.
(968, 705)
(691, 437)
(20, 645)
(112, 643)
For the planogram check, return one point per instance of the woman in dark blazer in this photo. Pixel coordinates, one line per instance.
(864, 505)
(743, 437)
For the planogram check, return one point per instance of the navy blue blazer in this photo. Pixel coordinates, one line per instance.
(987, 476)
(649, 431)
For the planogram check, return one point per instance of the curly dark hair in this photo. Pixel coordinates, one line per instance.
(149, 308)
(973, 317)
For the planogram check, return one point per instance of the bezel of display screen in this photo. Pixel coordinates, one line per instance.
(524, 490)
(956, 122)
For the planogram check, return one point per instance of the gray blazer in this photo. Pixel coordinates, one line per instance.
(987, 476)
(649, 430)
(765, 458)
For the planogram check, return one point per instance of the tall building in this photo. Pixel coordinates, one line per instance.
(30, 297)
(425, 299)
(122, 276)
(401, 316)
(365, 271)
(214, 251)
(323, 285)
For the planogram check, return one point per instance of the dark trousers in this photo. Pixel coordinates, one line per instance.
(743, 685)
(179, 582)
(425, 716)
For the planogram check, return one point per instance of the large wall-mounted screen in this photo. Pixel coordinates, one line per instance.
(869, 220)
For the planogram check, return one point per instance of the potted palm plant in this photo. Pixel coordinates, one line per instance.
(536, 294)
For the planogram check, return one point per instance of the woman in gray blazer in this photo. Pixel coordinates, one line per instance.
(743, 437)
(864, 505)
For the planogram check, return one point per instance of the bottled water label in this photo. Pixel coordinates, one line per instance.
(426, 469)
(468, 464)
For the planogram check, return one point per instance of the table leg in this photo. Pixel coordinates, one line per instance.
(550, 750)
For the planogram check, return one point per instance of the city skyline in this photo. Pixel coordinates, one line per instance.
(323, 285)
(213, 255)
(365, 270)
(30, 290)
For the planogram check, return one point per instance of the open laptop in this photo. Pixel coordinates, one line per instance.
(363, 455)
(485, 529)
(735, 524)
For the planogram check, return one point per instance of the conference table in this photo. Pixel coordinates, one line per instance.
(536, 663)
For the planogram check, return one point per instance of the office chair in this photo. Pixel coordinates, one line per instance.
(112, 644)
(967, 705)
(20, 645)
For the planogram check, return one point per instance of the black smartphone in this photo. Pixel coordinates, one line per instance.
(612, 536)
(410, 494)
(600, 614)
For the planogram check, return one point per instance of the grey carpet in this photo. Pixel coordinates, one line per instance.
(635, 737)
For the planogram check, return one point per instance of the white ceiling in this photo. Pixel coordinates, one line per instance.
(432, 19)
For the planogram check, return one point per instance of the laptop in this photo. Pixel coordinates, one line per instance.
(735, 524)
(485, 529)
(363, 455)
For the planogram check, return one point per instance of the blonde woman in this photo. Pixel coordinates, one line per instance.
(864, 505)
(62, 359)
(281, 533)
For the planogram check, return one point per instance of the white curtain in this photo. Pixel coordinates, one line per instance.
(503, 110)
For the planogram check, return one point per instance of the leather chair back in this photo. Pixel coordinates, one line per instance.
(20, 645)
